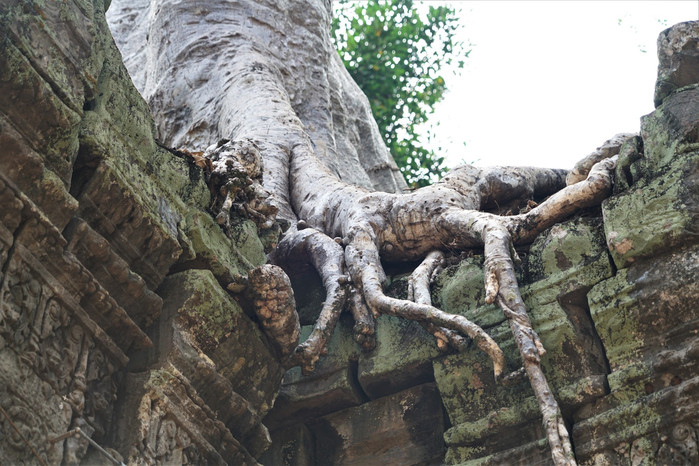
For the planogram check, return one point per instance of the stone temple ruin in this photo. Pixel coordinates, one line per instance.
(119, 336)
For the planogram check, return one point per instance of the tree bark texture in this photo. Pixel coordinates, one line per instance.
(264, 74)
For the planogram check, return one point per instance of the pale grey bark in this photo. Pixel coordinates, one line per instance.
(265, 71)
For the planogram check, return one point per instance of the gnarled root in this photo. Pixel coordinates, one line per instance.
(327, 257)
(364, 321)
(274, 304)
(419, 292)
(234, 172)
(363, 262)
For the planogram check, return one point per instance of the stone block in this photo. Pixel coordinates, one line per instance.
(224, 256)
(125, 286)
(567, 257)
(402, 357)
(404, 428)
(36, 107)
(659, 428)
(170, 424)
(646, 308)
(461, 290)
(129, 217)
(671, 131)
(214, 324)
(331, 387)
(678, 54)
(291, 447)
(561, 266)
(654, 215)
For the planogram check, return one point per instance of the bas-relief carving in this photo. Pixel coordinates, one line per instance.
(676, 445)
(161, 439)
(680, 446)
(55, 377)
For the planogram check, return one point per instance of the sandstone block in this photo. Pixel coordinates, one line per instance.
(402, 357)
(215, 325)
(404, 428)
(678, 54)
(333, 386)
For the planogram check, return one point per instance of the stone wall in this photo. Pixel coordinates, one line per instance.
(612, 293)
(115, 318)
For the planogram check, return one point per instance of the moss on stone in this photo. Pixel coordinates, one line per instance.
(460, 290)
(401, 359)
(654, 215)
(222, 255)
(208, 313)
(566, 257)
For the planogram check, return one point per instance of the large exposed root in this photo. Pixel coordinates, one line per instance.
(327, 257)
(273, 302)
(374, 226)
(419, 292)
(364, 264)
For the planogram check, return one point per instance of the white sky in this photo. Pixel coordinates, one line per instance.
(547, 82)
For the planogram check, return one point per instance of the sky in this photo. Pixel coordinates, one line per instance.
(548, 82)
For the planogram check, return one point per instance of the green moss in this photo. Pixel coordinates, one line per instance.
(654, 216)
(470, 433)
(208, 313)
(224, 256)
(460, 290)
(566, 257)
(612, 309)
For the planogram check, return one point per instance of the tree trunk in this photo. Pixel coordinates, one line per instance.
(264, 74)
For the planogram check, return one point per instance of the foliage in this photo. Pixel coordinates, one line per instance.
(395, 55)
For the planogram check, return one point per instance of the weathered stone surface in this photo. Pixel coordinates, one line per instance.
(678, 53)
(660, 428)
(459, 290)
(224, 256)
(294, 446)
(671, 133)
(562, 264)
(647, 307)
(404, 428)
(59, 354)
(221, 330)
(654, 216)
(78, 140)
(402, 358)
(172, 424)
(125, 286)
(332, 386)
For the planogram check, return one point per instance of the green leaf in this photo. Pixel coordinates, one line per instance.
(395, 56)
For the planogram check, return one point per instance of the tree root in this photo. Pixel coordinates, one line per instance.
(270, 101)
(327, 257)
(447, 215)
(274, 304)
(419, 292)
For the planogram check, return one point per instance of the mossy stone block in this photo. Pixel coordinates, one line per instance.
(401, 359)
(224, 256)
(634, 310)
(654, 215)
(460, 290)
(219, 328)
(567, 257)
(671, 131)
(403, 428)
(331, 387)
